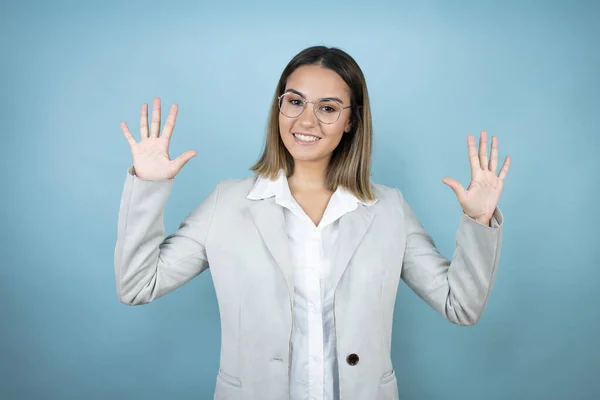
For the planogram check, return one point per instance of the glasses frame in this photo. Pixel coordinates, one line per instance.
(314, 108)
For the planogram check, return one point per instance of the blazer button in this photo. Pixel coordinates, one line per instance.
(352, 359)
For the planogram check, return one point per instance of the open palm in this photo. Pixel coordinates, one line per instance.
(480, 199)
(151, 154)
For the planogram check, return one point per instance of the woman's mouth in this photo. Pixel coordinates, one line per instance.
(305, 140)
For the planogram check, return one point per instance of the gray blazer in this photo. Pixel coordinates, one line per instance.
(244, 242)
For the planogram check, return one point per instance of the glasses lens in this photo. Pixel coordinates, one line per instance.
(328, 111)
(291, 105)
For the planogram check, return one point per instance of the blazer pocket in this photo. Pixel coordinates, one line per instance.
(229, 379)
(388, 376)
(388, 388)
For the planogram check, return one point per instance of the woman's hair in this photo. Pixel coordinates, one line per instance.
(350, 162)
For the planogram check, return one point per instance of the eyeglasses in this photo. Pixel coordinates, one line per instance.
(327, 111)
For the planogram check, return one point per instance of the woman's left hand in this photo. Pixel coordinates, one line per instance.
(481, 197)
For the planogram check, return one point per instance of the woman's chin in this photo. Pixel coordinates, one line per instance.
(305, 153)
(303, 156)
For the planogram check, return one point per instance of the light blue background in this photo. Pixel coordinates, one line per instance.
(527, 72)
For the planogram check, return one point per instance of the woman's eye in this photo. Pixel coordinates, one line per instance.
(328, 109)
(296, 102)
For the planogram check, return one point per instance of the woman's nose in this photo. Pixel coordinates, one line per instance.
(308, 116)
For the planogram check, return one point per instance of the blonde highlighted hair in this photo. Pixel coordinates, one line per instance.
(350, 164)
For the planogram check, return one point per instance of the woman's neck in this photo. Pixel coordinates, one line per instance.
(308, 177)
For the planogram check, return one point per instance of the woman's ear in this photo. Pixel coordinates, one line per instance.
(348, 126)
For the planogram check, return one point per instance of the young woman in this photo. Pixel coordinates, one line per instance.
(306, 254)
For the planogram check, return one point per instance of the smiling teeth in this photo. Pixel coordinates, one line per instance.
(306, 138)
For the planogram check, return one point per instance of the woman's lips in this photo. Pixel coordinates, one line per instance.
(304, 142)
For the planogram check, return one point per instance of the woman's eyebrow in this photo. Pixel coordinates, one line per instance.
(304, 97)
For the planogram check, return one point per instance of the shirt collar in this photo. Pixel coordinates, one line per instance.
(265, 188)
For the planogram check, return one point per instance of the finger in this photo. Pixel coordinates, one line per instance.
(155, 128)
(170, 124)
(483, 157)
(127, 134)
(180, 161)
(494, 155)
(504, 169)
(473, 159)
(144, 121)
(456, 187)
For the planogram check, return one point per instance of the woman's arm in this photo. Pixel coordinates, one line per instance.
(458, 289)
(148, 265)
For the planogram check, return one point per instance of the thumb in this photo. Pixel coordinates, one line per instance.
(180, 161)
(456, 187)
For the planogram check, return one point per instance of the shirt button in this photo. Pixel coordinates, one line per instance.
(352, 359)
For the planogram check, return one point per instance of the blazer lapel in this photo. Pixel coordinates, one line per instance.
(270, 221)
(352, 229)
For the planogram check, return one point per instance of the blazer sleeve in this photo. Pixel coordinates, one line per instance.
(458, 289)
(148, 265)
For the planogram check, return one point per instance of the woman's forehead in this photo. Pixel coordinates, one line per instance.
(314, 81)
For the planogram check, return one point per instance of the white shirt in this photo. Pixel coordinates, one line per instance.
(314, 363)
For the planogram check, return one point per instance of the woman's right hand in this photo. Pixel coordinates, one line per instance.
(151, 154)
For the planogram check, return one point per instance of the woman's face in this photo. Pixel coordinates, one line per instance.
(313, 82)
